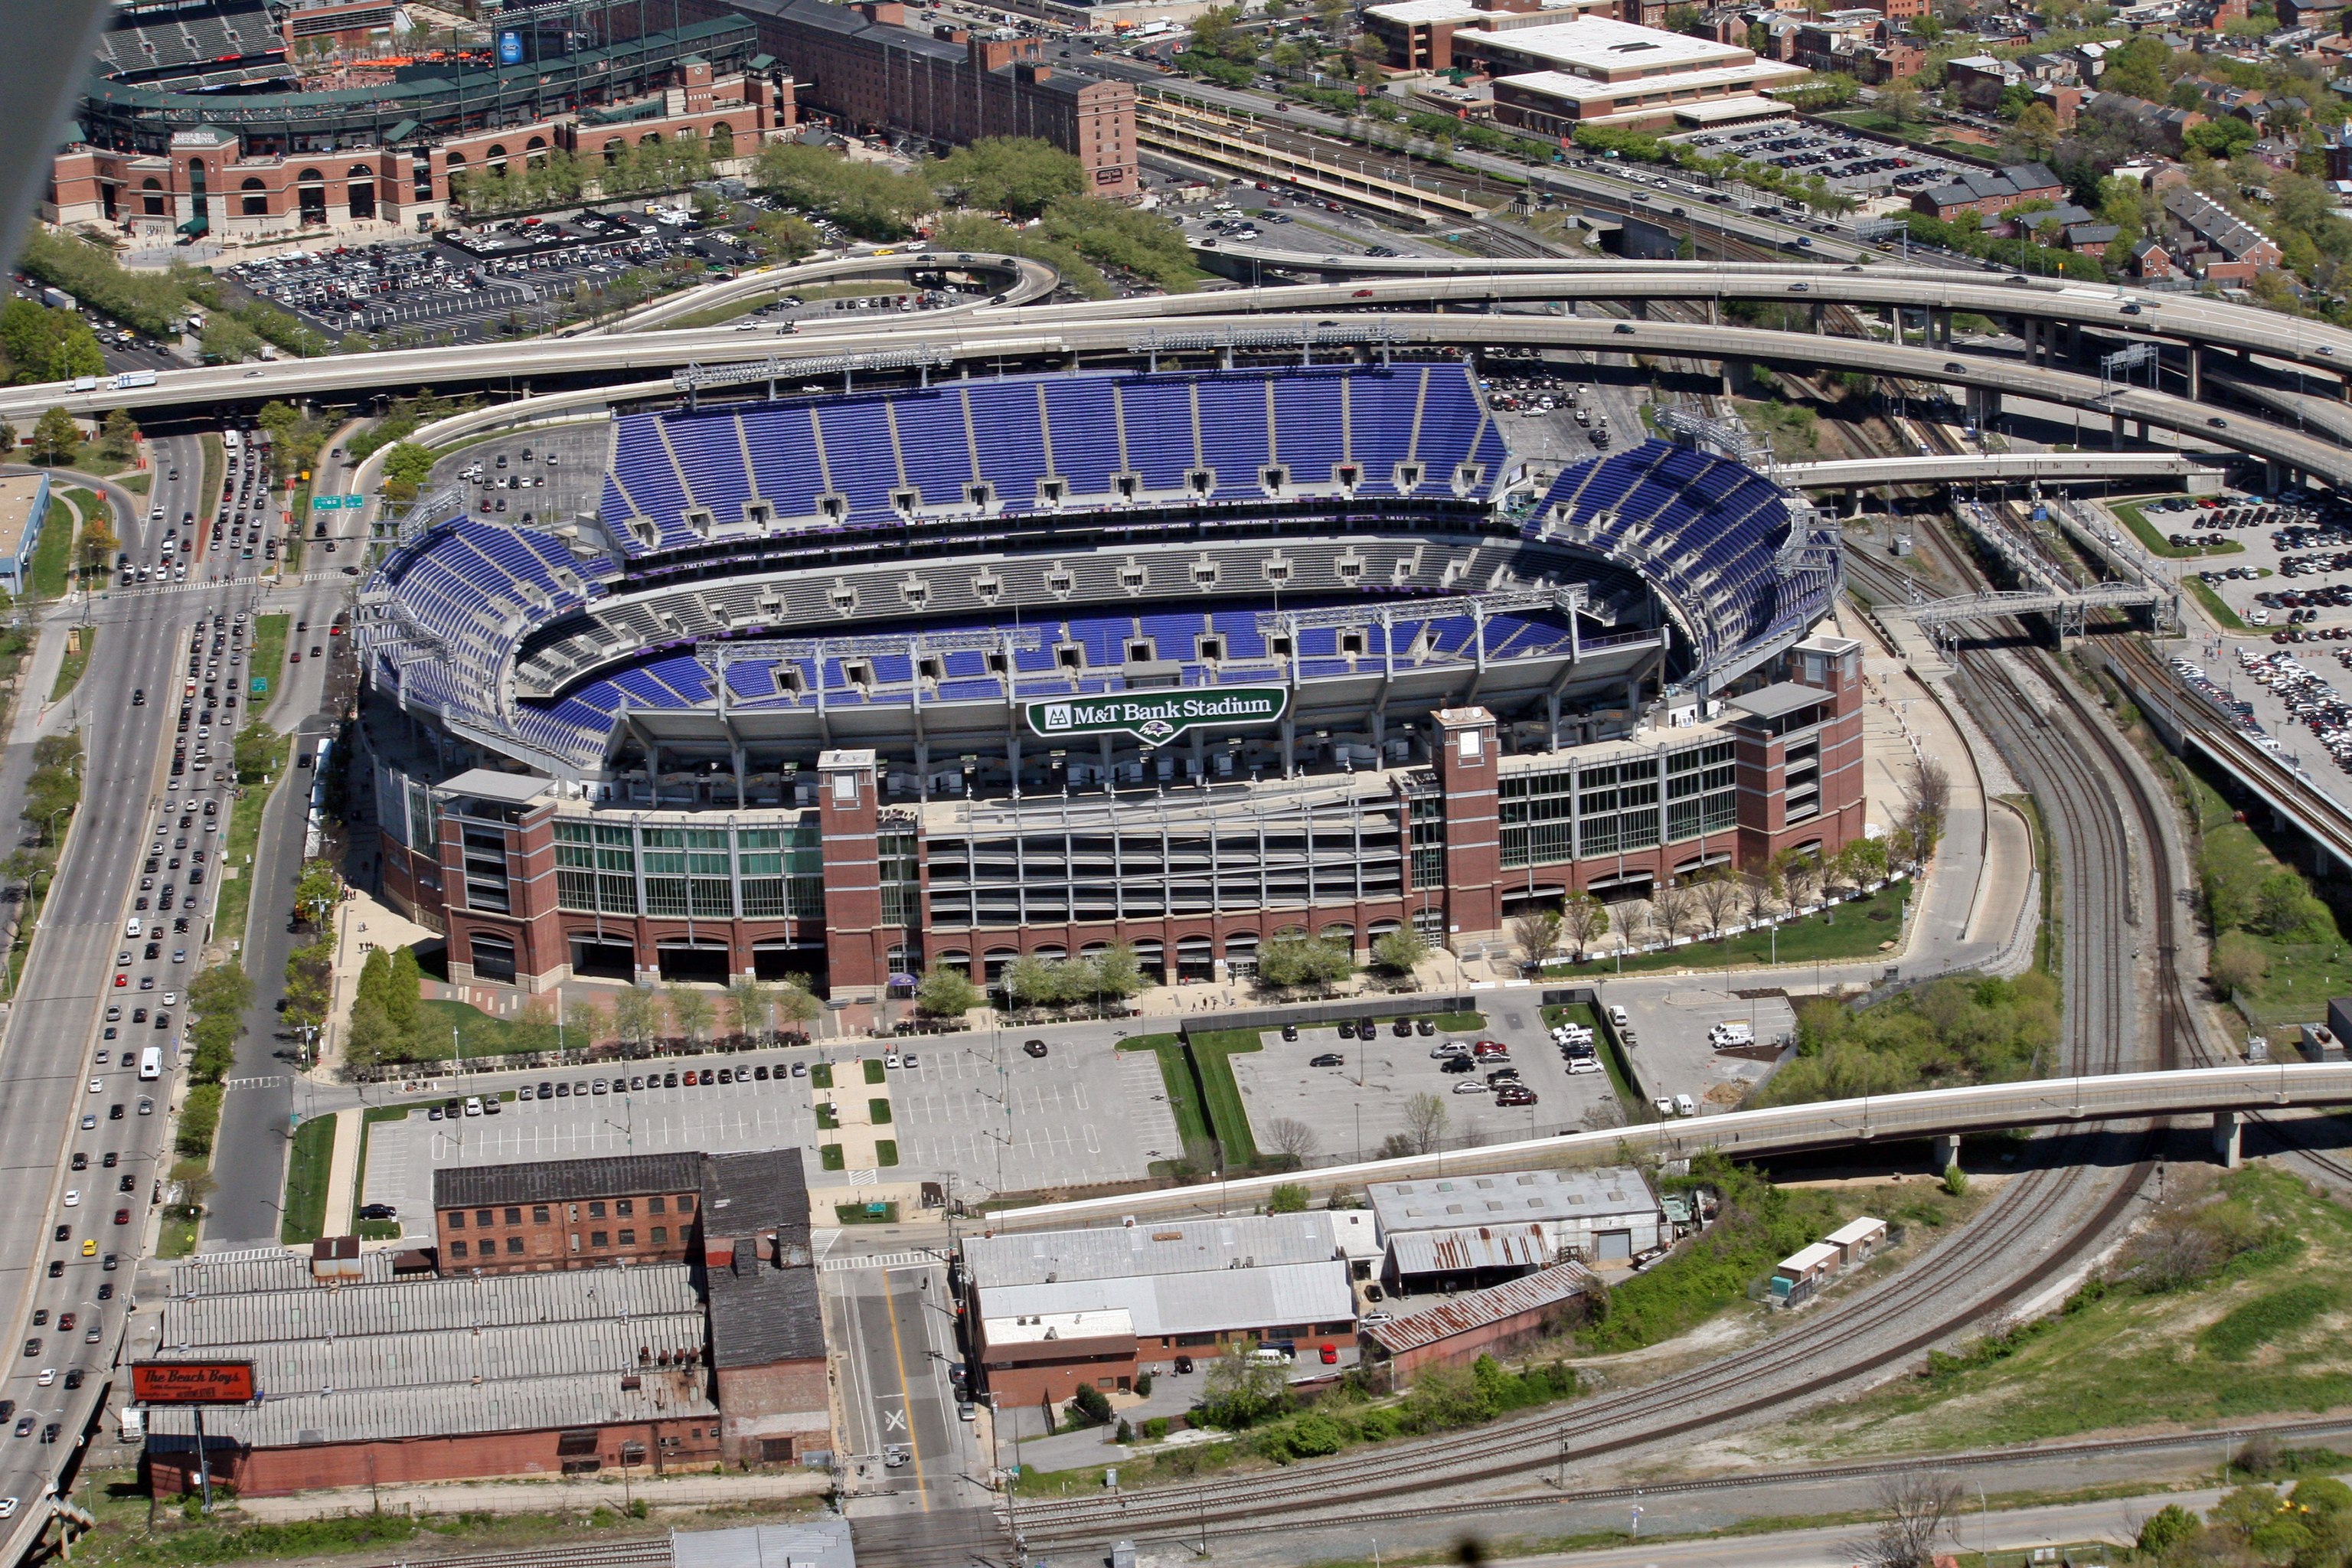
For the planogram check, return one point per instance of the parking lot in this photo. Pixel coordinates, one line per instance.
(2287, 700)
(990, 1116)
(1353, 1105)
(521, 271)
(1853, 164)
(2290, 574)
(1672, 1055)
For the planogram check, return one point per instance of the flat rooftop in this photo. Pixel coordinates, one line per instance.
(1456, 1203)
(1580, 90)
(1241, 1243)
(1601, 44)
(19, 494)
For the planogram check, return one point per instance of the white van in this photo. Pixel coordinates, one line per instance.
(131, 926)
(1617, 1016)
(150, 1062)
(1685, 1105)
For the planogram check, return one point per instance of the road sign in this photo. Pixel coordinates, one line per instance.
(260, 684)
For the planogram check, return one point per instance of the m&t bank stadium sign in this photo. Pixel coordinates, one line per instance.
(1154, 718)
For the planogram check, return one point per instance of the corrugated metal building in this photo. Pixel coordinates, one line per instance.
(1493, 1322)
(1184, 1284)
(1593, 1215)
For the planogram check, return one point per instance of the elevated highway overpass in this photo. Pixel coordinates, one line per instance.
(2049, 467)
(2224, 1095)
(990, 340)
(2043, 310)
(1017, 279)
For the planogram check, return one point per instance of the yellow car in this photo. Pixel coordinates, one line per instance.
(887, 250)
(90, 1249)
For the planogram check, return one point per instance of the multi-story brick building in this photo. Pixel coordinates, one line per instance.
(708, 1352)
(567, 1213)
(1418, 34)
(864, 64)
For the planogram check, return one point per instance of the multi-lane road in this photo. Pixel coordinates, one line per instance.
(60, 1104)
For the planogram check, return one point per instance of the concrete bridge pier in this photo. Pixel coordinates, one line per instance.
(2196, 373)
(2116, 430)
(1947, 1152)
(2225, 1139)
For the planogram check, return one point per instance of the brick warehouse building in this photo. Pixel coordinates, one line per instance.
(864, 63)
(567, 1213)
(393, 1377)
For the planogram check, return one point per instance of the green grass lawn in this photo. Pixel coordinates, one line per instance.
(2222, 614)
(267, 660)
(306, 1182)
(81, 642)
(1852, 931)
(878, 1112)
(136, 484)
(54, 554)
(479, 1035)
(830, 1157)
(2150, 535)
(854, 1214)
(2303, 974)
(244, 832)
(821, 1076)
(874, 1073)
(2124, 1358)
(885, 1152)
(1211, 1048)
(1184, 1093)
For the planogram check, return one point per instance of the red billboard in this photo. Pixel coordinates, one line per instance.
(192, 1382)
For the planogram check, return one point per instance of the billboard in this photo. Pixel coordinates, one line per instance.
(192, 1382)
(1153, 717)
(510, 48)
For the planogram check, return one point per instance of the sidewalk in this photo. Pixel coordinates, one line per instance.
(525, 1494)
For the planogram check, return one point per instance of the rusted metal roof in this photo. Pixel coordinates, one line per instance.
(1481, 1309)
(1472, 1248)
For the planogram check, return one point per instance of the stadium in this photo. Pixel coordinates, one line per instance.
(852, 685)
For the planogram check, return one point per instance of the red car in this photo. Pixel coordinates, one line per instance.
(122, 979)
(1331, 1355)
(122, 1217)
(1489, 1049)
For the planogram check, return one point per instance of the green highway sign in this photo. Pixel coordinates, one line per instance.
(260, 684)
(336, 503)
(1156, 718)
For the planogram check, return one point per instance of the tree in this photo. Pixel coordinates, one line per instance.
(371, 1040)
(1090, 1405)
(780, 237)
(751, 1008)
(1240, 1391)
(1919, 1511)
(2165, 1528)
(117, 436)
(96, 545)
(1033, 982)
(1292, 1139)
(254, 753)
(1287, 1197)
(56, 436)
(690, 1012)
(2238, 964)
(2221, 139)
(1899, 100)
(404, 998)
(865, 197)
(1538, 934)
(2036, 130)
(2138, 69)
(1717, 895)
(1800, 872)
(637, 1016)
(1585, 919)
(2283, 906)
(1015, 175)
(1672, 911)
(405, 468)
(317, 893)
(1296, 960)
(1424, 1122)
(1400, 952)
(946, 991)
(227, 341)
(796, 1005)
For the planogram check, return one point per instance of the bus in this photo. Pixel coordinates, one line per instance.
(134, 378)
(150, 1062)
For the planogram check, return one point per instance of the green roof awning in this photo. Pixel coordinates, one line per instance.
(400, 132)
(196, 224)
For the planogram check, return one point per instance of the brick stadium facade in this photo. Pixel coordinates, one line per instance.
(1789, 779)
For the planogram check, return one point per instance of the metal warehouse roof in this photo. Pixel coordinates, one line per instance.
(562, 1181)
(268, 1269)
(1452, 1203)
(1160, 1248)
(1198, 1303)
(395, 1363)
(421, 1306)
(530, 1404)
(1487, 1246)
(1481, 1309)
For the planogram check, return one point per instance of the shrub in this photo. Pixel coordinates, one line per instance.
(1143, 1385)
(1155, 1427)
(1091, 1404)
(1125, 1433)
